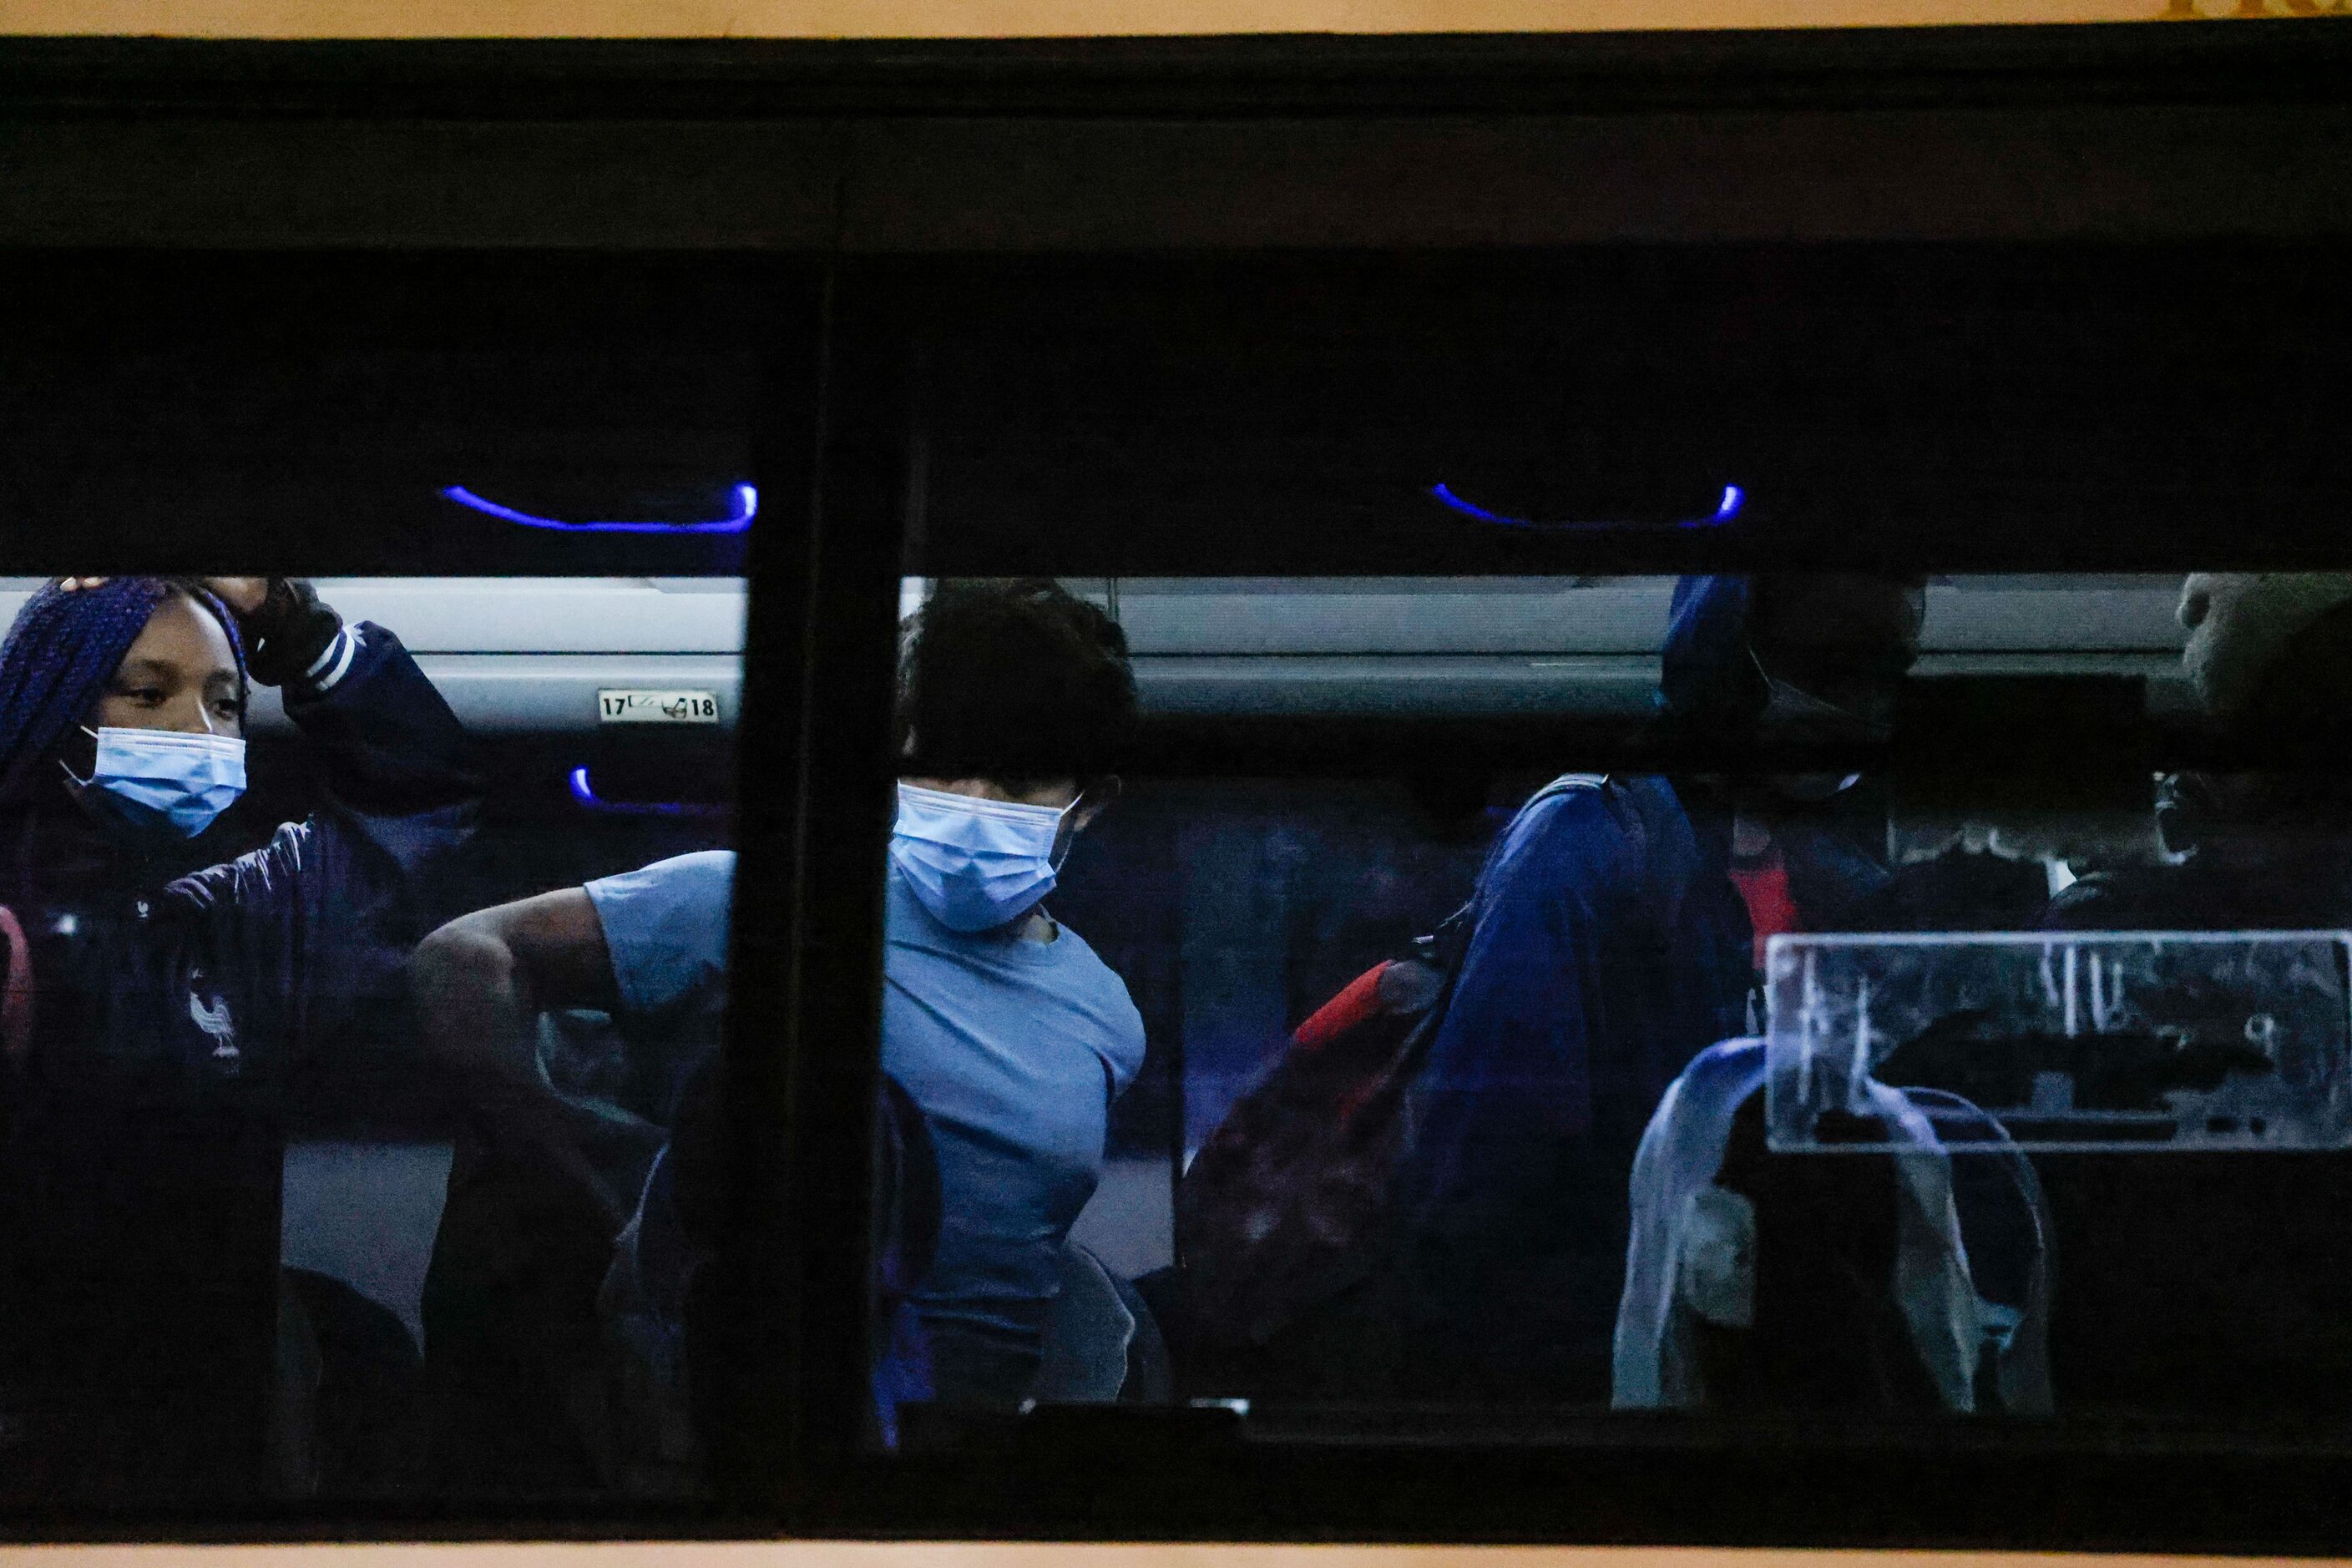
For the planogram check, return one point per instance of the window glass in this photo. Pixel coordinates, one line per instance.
(1995, 404)
(366, 935)
(1625, 966)
(1396, 1085)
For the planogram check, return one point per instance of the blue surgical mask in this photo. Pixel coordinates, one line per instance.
(167, 779)
(975, 864)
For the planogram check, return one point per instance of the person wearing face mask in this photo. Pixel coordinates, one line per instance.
(2211, 1285)
(1609, 946)
(1004, 1029)
(1007, 1029)
(2269, 657)
(1796, 660)
(1818, 659)
(165, 991)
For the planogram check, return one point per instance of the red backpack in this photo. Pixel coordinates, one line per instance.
(1286, 1204)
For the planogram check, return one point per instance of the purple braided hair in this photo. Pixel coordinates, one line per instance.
(60, 655)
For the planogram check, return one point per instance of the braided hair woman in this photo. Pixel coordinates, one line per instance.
(162, 987)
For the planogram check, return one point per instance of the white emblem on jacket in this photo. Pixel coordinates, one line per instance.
(214, 1020)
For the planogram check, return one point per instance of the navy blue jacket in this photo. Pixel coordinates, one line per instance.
(144, 1127)
(1608, 949)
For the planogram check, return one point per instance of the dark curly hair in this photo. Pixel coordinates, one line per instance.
(60, 655)
(1015, 680)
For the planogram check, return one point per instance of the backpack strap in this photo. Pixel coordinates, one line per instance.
(1664, 898)
(1566, 783)
(1443, 949)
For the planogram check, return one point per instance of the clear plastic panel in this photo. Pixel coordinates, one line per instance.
(2155, 1040)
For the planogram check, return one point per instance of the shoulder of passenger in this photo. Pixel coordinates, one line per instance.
(1579, 822)
(1097, 969)
(1588, 795)
(1112, 997)
(1584, 844)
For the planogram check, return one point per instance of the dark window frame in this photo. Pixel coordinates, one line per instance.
(768, 307)
(1184, 1474)
(810, 153)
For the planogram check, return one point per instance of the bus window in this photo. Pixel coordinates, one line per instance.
(1601, 973)
(1305, 646)
(366, 917)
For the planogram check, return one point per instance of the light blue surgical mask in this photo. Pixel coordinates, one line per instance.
(166, 779)
(975, 864)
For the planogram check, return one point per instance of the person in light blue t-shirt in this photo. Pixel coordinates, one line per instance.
(1007, 1029)
(1014, 1040)
(1000, 1025)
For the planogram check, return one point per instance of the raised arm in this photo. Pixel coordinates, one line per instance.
(313, 929)
(396, 762)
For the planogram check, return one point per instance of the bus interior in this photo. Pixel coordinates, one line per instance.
(1714, 841)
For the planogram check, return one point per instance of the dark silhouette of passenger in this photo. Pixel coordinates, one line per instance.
(1608, 949)
(2212, 1284)
(162, 992)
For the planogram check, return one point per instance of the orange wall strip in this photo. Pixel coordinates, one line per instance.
(1055, 18)
(954, 1554)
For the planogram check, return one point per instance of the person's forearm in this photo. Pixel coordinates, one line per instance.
(480, 1021)
(474, 1002)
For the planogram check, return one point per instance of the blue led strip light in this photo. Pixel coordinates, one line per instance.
(746, 507)
(1734, 497)
(585, 794)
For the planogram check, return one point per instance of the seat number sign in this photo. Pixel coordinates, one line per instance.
(631, 706)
